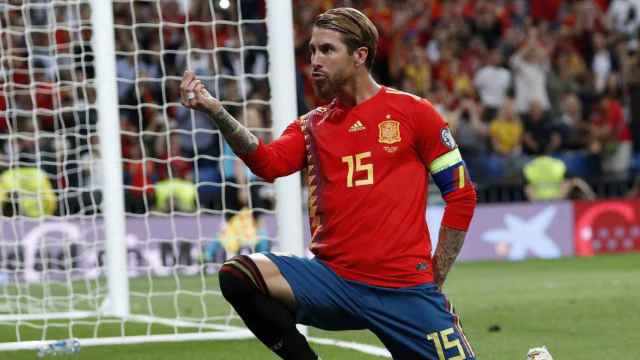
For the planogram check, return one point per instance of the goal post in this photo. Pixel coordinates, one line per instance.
(284, 110)
(110, 148)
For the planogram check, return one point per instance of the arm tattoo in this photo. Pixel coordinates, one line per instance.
(241, 140)
(449, 246)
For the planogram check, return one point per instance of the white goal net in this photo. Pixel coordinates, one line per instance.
(189, 202)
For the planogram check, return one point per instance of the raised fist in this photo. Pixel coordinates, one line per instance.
(194, 95)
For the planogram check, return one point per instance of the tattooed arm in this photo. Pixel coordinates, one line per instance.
(282, 156)
(449, 245)
(194, 95)
(241, 140)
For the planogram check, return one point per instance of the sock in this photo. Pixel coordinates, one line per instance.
(270, 321)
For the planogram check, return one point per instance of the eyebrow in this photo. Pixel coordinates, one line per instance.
(324, 44)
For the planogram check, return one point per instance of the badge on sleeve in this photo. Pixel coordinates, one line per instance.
(389, 131)
(447, 138)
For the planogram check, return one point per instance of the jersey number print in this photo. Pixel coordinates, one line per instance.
(442, 342)
(355, 165)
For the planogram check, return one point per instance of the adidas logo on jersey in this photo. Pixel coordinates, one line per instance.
(357, 126)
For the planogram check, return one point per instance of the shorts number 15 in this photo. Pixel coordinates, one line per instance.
(442, 343)
(355, 164)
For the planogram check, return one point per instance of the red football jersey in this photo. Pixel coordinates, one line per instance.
(367, 169)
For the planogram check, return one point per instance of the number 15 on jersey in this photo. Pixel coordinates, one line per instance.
(356, 165)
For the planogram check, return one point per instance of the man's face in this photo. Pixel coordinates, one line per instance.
(331, 63)
(536, 111)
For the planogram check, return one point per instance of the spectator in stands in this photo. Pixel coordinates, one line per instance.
(506, 131)
(602, 62)
(168, 150)
(624, 16)
(30, 149)
(201, 143)
(573, 128)
(45, 98)
(139, 172)
(471, 134)
(493, 83)
(27, 145)
(126, 73)
(172, 35)
(416, 70)
(487, 24)
(243, 189)
(530, 65)
(610, 136)
(631, 76)
(436, 43)
(540, 135)
(461, 80)
(92, 179)
(567, 67)
(447, 105)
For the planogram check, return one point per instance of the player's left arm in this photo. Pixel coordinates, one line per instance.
(444, 161)
(449, 245)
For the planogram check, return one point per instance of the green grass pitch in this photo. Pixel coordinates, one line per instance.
(582, 309)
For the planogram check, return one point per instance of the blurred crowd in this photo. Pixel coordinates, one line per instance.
(174, 159)
(517, 81)
(536, 92)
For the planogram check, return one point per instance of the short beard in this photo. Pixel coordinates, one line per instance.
(327, 88)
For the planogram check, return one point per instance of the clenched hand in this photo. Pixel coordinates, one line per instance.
(194, 95)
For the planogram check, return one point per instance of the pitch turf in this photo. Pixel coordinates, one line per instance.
(582, 309)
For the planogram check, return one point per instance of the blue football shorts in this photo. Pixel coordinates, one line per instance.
(413, 323)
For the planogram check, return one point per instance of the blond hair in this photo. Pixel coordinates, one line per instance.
(356, 28)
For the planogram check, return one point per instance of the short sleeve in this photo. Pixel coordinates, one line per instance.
(433, 137)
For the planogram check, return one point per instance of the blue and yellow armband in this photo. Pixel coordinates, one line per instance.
(451, 176)
(449, 172)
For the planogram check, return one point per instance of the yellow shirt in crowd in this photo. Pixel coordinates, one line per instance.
(506, 134)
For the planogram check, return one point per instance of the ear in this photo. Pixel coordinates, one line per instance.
(360, 56)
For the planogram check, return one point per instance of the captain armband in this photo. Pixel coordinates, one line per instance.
(449, 172)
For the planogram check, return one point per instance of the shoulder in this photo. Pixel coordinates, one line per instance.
(316, 111)
(316, 115)
(402, 96)
(427, 117)
(409, 99)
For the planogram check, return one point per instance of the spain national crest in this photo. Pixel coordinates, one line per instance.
(389, 131)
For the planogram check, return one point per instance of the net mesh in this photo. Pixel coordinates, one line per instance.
(190, 203)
